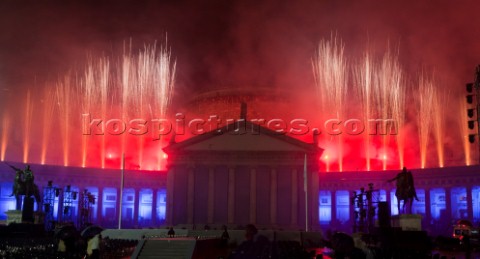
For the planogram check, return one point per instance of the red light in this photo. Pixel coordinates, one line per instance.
(165, 156)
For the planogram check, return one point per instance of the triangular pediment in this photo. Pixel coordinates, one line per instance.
(252, 138)
(244, 142)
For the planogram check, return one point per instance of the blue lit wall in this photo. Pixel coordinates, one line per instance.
(161, 205)
(437, 203)
(145, 210)
(325, 207)
(342, 206)
(418, 207)
(138, 209)
(6, 202)
(476, 204)
(94, 207)
(393, 203)
(459, 203)
(128, 207)
(109, 209)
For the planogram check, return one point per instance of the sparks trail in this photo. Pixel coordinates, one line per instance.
(331, 79)
(426, 94)
(136, 84)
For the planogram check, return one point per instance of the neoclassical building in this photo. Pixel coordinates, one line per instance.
(143, 198)
(243, 173)
(246, 173)
(445, 196)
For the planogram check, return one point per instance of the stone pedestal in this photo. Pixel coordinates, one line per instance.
(27, 212)
(408, 222)
(14, 216)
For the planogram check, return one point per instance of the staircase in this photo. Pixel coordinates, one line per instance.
(172, 248)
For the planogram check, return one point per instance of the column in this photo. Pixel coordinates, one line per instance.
(99, 206)
(333, 200)
(211, 195)
(389, 201)
(294, 215)
(428, 208)
(154, 206)
(448, 205)
(253, 195)
(136, 207)
(170, 198)
(191, 196)
(273, 196)
(231, 195)
(469, 203)
(351, 207)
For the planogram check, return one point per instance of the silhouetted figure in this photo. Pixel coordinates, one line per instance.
(225, 237)
(29, 180)
(171, 232)
(405, 190)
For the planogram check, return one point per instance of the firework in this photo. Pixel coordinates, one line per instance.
(5, 131)
(440, 101)
(463, 125)
(48, 103)
(27, 126)
(331, 78)
(425, 101)
(364, 79)
(389, 93)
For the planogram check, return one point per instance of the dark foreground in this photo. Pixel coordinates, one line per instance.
(29, 241)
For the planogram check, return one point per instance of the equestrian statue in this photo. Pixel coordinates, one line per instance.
(405, 191)
(24, 185)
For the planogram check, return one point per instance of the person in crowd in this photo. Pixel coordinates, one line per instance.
(225, 237)
(93, 247)
(171, 232)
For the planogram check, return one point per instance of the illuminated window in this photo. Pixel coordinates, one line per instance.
(343, 206)
(161, 205)
(145, 209)
(418, 207)
(459, 203)
(7, 202)
(325, 207)
(476, 203)
(93, 191)
(393, 203)
(437, 203)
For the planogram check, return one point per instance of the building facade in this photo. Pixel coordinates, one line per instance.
(249, 176)
(242, 174)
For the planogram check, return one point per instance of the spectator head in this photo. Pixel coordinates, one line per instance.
(250, 231)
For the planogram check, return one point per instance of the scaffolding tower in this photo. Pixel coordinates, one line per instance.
(364, 209)
(49, 194)
(85, 208)
(69, 197)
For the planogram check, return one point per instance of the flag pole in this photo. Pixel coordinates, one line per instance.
(305, 188)
(121, 191)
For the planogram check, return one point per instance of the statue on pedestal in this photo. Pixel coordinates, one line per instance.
(24, 185)
(405, 191)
